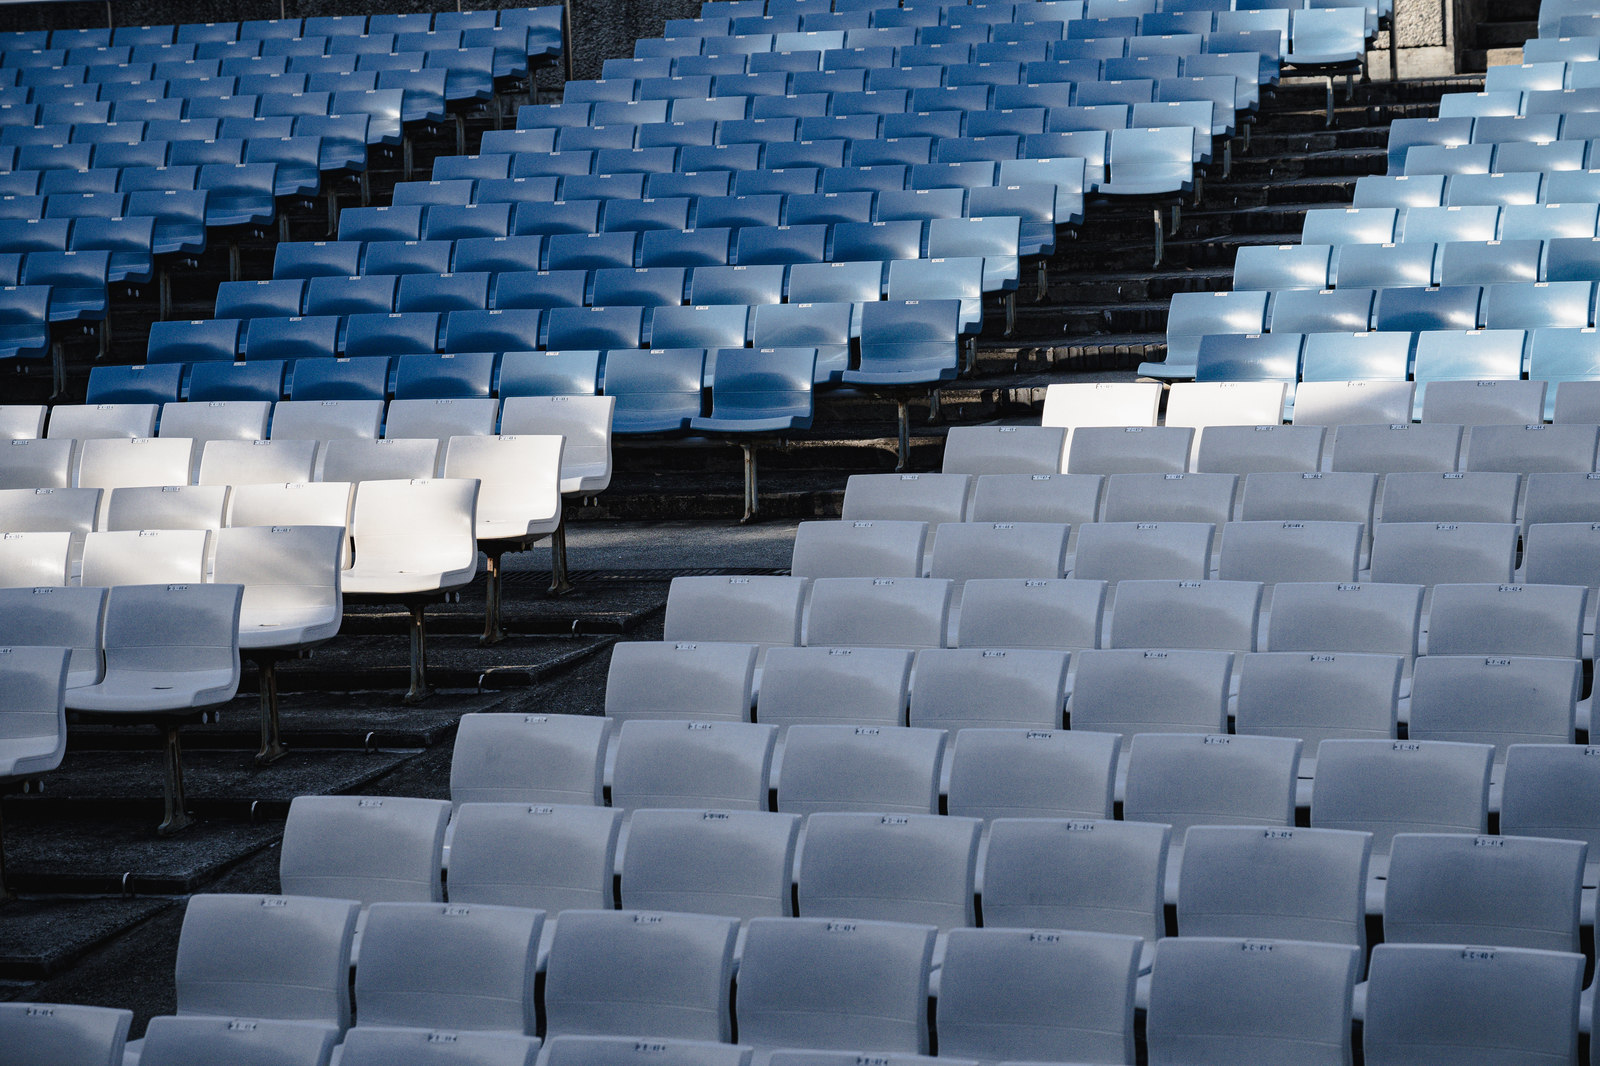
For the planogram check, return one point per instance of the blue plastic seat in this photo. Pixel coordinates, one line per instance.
(462, 221)
(356, 295)
(730, 157)
(919, 205)
(942, 279)
(640, 286)
(496, 254)
(907, 343)
(1400, 190)
(1350, 225)
(540, 288)
(558, 216)
(303, 337)
(195, 341)
(591, 251)
(1355, 356)
(600, 328)
(836, 282)
(877, 241)
(699, 326)
(461, 291)
(225, 382)
(656, 391)
(520, 190)
(637, 215)
(1449, 307)
(1344, 310)
(1035, 205)
(828, 208)
(1537, 305)
(1490, 263)
(85, 205)
(239, 195)
(557, 373)
(702, 246)
(513, 330)
(934, 124)
(402, 223)
(408, 257)
(280, 298)
(996, 238)
(864, 179)
(395, 333)
(738, 211)
(730, 285)
(34, 235)
(1249, 357)
(456, 191)
(781, 244)
(781, 181)
(464, 375)
(1476, 355)
(601, 186)
(24, 321)
(135, 384)
(825, 327)
(908, 150)
(652, 160)
(327, 378)
(129, 243)
(312, 259)
(472, 167)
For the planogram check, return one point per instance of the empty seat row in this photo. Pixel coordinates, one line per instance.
(1322, 266)
(1439, 225)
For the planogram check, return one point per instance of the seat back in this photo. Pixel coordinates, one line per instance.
(58, 1034)
(738, 864)
(683, 679)
(868, 612)
(890, 867)
(549, 856)
(1131, 691)
(679, 763)
(1402, 786)
(365, 848)
(1198, 779)
(860, 768)
(1032, 773)
(835, 686)
(530, 758)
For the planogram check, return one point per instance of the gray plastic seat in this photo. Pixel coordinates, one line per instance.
(37, 463)
(1221, 615)
(380, 1045)
(835, 686)
(22, 421)
(661, 973)
(1070, 498)
(613, 1050)
(890, 867)
(364, 848)
(1031, 613)
(879, 612)
(1251, 1000)
(1478, 403)
(1554, 497)
(1042, 996)
(1032, 773)
(1471, 1005)
(981, 450)
(111, 462)
(958, 688)
(684, 679)
(1129, 449)
(931, 498)
(1499, 700)
(326, 419)
(1467, 496)
(1169, 498)
(235, 462)
(673, 763)
(1530, 448)
(1499, 619)
(69, 617)
(123, 557)
(859, 548)
(966, 550)
(1432, 553)
(60, 1034)
(1346, 617)
(861, 768)
(248, 1042)
(831, 983)
(739, 864)
(1129, 691)
(449, 966)
(1336, 403)
(1273, 552)
(1316, 696)
(765, 611)
(1101, 403)
(1120, 551)
(359, 459)
(529, 758)
(1244, 450)
(35, 559)
(1549, 790)
(166, 507)
(97, 420)
(1391, 447)
(1287, 496)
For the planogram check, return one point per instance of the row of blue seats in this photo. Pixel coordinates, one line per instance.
(241, 195)
(1550, 354)
(968, 24)
(545, 22)
(1573, 123)
(251, 57)
(828, 327)
(1503, 188)
(1574, 48)
(1508, 157)
(1516, 261)
(1539, 76)
(439, 293)
(126, 168)
(222, 97)
(1441, 225)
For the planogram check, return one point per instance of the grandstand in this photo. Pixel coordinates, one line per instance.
(1156, 623)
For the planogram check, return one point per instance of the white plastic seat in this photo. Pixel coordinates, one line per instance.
(171, 651)
(294, 503)
(1129, 450)
(1476, 496)
(70, 617)
(1532, 448)
(519, 501)
(1515, 892)
(890, 867)
(1385, 787)
(1316, 696)
(413, 540)
(367, 848)
(1356, 403)
(1070, 498)
(72, 421)
(1497, 619)
(1169, 498)
(739, 864)
(1433, 553)
(1129, 690)
(957, 688)
(22, 421)
(1553, 790)
(1220, 615)
(449, 966)
(529, 758)
(1275, 551)
(1091, 876)
(60, 1034)
(684, 679)
(1038, 996)
(326, 419)
(891, 769)
(879, 612)
(1556, 497)
(36, 463)
(1227, 999)
(1484, 403)
(615, 1050)
(380, 1045)
(762, 610)
(1325, 616)
(1032, 773)
(441, 419)
(35, 559)
(1201, 404)
(835, 686)
(1562, 553)
(33, 722)
(250, 462)
(661, 973)
(1101, 403)
(1120, 551)
(1254, 449)
(166, 507)
(256, 956)
(1309, 497)
(1276, 883)
(1185, 779)
(980, 450)
(930, 498)
(1499, 700)
(828, 983)
(49, 510)
(585, 423)
(1471, 1005)
(237, 420)
(966, 550)
(1390, 447)
(858, 549)
(673, 763)
(130, 556)
(1031, 613)
(111, 462)
(383, 459)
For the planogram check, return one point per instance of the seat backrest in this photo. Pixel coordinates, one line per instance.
(1119, 551)
(283, 957)
(957, 688)
(1169, 498)
(1031, 613)
(449, 966)
(1129, 449)
(682, 679)
(584, 422)
(35, 558)
(1186, 614)
(519, 482)
(835, 685)
(1243, 450)
(372, 849)
(529, 758)
(1314, 696)
(239, 462)
(127, 557)
(1185, 779)
(764, 610)
(890, 867)
(166, 507)
(1321, 496)
(966, 550)
(388, 459)
(1531, 448)
(420, 526)
(37, 463)
(1005, 450)
(1335, 403)
(83, 421)
(861, 768)
(867, 612)
(1101, 403)
(1475, 496)
(326, 419)
(1431, 553)
(684, 763)
(831, 983)
(1346, 617)
(1495, 619)
(109, 462)
(739, 864)
(1032, 773)
(1251, 1000)
(386, 1046)
(613, 1050)
(58, 1034)
(1402, 786)
(657, 972)
(550, 856)
(1476, 403)
(1452, 1003)
(930, 498)
(70, 617)
(1495, 699)
(859, 548)
(33, 724)
(1131, 691)
(1396, 446)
